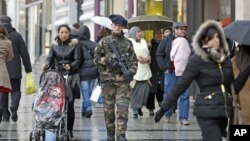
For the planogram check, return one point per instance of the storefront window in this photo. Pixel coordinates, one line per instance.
(22, 18)
(102, 8)
(179, 10)
(225, 12)
(141, 7)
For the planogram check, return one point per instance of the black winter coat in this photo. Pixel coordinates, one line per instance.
(21, 54)
(67, 52)
(88, 70)
(157, 74)
(211, 101)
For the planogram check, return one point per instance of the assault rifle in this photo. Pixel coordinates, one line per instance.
(122, 59)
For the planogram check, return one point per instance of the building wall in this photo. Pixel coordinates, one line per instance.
(63, 12)
(88, 8)
(241, 10)
(211, 14)
(119, 7)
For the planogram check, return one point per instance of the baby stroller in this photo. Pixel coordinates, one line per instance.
(50, 106)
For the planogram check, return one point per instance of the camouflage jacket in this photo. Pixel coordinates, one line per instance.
(104, 54)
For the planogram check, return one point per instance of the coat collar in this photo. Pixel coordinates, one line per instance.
(73, 42)
(197, 37)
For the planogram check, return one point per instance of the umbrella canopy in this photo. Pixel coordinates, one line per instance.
(149, 22)
(102, 21)
(239, 31)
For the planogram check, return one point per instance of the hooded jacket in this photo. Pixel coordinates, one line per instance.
(88, 70)
(209, 75)
(21, 54)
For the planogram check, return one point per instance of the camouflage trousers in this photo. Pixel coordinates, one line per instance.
(118, 95)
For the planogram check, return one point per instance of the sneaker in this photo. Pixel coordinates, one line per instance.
(83, 114)
(184, 122)
(140, 113)
(167, 119)
(135, 116)
(151, 113)
(88, 114)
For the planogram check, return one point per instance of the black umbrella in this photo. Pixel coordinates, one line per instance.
(149, 22)
(239, 31)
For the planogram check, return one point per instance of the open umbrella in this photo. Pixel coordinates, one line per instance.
(102, 21)
(239, 31)
(149, 22)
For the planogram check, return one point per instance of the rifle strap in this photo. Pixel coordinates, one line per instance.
(113, 47)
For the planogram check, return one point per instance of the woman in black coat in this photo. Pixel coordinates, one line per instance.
(211, 67)
(65, 56)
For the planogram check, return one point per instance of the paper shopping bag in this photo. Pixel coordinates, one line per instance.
(96, 93)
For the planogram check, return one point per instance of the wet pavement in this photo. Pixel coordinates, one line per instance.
(85, 129)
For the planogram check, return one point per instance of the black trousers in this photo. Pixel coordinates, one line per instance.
(3, 106)
(212, 128)
(151, 98)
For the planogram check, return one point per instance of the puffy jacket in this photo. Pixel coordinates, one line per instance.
(211, 101)
(88, 70)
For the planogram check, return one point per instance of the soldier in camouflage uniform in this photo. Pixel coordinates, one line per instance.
(115, 83)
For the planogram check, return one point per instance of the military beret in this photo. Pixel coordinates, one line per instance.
(180, 24)
(118, 19)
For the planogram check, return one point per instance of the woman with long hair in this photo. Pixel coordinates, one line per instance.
(6, 54)
(211, 67)
(240, 62)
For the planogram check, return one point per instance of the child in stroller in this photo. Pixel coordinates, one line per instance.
(50, 107)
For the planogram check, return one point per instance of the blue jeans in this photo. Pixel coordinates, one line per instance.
(86, 90)
(169, 82)
(49, 135)
(183, 104)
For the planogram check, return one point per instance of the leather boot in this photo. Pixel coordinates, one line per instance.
(110, 136)
(121, 137)
(14, 114)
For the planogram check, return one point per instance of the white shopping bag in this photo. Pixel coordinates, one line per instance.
(96, 93)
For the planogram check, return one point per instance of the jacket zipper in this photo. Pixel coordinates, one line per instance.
(223, 89)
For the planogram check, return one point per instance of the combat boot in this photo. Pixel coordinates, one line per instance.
(121, 137)
(110, 136)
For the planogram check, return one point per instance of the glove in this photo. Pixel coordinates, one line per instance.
(126, 76)
(159, 114)
(114, 63)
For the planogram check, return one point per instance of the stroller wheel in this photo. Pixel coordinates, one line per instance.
(34, 136)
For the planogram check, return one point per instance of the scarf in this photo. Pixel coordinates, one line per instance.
(217, 55)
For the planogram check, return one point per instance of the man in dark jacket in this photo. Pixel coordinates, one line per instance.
(14, 67)
(88, 70)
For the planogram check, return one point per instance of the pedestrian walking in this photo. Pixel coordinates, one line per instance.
(6, 54)
(240, 61)
(167, 65)
(21, 55)
(157, 79)
(141, 84)
(88, 70)
(211, 67)
(64, 54)
(115, 58)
